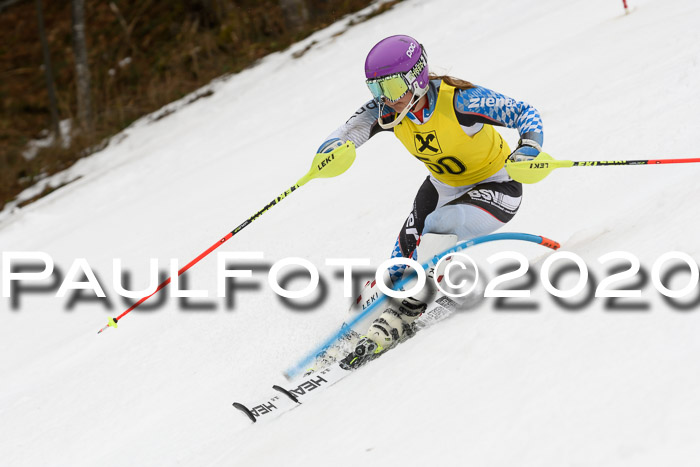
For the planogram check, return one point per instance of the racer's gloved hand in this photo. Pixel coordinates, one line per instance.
(330, 145)
(526, 151)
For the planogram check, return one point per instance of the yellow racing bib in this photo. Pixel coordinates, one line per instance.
(452, 156)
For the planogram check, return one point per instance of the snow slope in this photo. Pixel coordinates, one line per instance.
(545, 387)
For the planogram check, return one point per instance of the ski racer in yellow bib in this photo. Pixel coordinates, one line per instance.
(453, 157)
(449, 125)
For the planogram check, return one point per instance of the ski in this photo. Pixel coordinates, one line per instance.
(292, 395)
(270, 408)
(326, 369)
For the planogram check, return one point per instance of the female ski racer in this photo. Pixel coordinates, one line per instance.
(449, 125)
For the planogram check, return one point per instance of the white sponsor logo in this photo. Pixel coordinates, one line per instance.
(505, 202)
(476, 102)
(410, 223)
(486, 195)
(410, 50)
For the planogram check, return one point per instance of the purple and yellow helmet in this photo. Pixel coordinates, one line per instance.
(396, 65)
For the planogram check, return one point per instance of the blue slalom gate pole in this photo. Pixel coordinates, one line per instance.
(304, 362)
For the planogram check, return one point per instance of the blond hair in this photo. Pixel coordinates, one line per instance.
(452, 81)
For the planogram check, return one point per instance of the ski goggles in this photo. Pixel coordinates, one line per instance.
(392, 87)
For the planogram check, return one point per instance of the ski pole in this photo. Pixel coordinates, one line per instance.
(537, 169)
(323, 166)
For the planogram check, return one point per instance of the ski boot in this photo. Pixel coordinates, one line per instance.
(365, 350)
(397, 322)
(394, 325)
(390, 328)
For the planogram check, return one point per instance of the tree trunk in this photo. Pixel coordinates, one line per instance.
(296, 13)
(82, 71)
(48, 73)
(213, 10)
